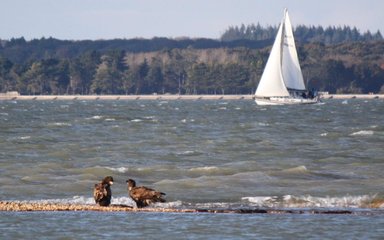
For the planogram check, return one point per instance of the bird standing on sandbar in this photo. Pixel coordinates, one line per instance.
(143, 196)
(102, 192)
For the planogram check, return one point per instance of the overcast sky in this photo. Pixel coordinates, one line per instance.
(109, 19)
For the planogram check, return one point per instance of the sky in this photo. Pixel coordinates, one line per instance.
(126, 19)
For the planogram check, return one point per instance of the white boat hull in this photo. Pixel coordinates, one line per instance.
(285, 101)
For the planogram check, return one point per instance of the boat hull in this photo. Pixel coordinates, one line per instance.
(285, 101)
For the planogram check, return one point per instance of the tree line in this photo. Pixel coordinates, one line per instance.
(355, 67)
(303, 34)
(171, 71)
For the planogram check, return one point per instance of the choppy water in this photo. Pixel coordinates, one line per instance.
(211, 154)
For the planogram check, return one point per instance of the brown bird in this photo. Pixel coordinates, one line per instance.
(102, 192)
(143, 196)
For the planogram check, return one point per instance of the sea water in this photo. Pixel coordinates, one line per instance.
(202, 154)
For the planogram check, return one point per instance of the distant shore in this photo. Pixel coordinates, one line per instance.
(7, 96)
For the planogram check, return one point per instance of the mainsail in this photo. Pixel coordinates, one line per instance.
(282, 71)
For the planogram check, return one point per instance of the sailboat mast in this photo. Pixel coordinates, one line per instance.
(282, 36)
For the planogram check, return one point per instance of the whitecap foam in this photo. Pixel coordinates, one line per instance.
(261, 200)
(136, 120)
(149, 117)
(118, 169)
(290, 201)
(214, 205)
(297, 169)
(207, 168)
(125, 200)
(24, 137)
(73, 200)
(188, 153)
(86, 200)
(97, 117)
(60, 124)
(362, 133)
(173, 204)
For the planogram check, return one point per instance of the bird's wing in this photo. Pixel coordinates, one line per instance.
(99, 192)
(145, 193)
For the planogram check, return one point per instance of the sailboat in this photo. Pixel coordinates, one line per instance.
(282, 80)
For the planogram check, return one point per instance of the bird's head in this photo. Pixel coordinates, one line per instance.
(108, 180)
(131, 183)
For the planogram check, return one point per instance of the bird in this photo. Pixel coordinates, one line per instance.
(102, 192)
(143, 196)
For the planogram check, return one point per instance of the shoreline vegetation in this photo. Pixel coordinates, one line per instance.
(16, 96)
(23, 206)
(160, 65)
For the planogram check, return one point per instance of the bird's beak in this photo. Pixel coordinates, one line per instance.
(110, 183)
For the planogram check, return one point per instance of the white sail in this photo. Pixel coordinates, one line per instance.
(282, 73)
(293, 78)
(271, 83)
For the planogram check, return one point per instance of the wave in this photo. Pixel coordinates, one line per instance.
(24, 137)
(86, 200)
(98, 170)
(144, 118)
(189, 153)
(136, 120)
(299, 169)
(274, 202)
(95, 117)
(118, 169)
(303, 172)
(362, 133)
(60, 124)
(290, 201)
(207, 168)
(115, 200)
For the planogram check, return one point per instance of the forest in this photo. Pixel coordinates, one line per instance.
(303, 34)
(335, 59)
